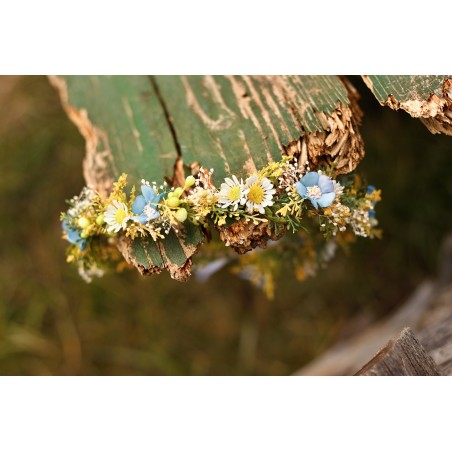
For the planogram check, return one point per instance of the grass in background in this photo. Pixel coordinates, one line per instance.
(51, 322)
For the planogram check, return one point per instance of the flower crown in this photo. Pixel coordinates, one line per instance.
(283, 195)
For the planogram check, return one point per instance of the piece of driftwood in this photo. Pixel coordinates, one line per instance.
(401, 356)
(428, 313)
(438, 341)
(434, 330)
(347, 356)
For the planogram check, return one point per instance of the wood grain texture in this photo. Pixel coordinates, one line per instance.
(126, 130)
(437, 340)
(402, 356)
(124, 126)
(428, 312)
(173, 253)
(428, 97)
(345, 357)
(237, 124)
(157, 127)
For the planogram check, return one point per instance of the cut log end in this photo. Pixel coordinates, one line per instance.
(401, 356)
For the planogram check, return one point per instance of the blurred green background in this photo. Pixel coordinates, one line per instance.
(52, 322)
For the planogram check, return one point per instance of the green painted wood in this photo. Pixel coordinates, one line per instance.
(427, 97)
(146, 253)
(128, 111)
(234, 124)
(127, 130)
(237, 123)
(406, 87)
(170, 253)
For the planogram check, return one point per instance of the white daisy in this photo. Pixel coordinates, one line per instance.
(232, 193)
(260, 193)
(116, 216)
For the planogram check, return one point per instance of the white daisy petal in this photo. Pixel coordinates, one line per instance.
(232, 193)
(116, 216)
(259, 194)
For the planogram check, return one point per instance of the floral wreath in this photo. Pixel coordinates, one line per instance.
(284, 195)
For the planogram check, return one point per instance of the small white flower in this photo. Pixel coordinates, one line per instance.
(81, 202)
(116, 216)
(89, 273)
(338, 188)
(259, 193)
(232, 193)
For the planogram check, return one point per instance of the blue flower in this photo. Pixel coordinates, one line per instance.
(319, 189)
(73, 236)
(370, 190)
(145, 205)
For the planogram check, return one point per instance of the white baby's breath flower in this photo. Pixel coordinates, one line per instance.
(260, 193)
(81, 202)
(232, 193)
(202, 197)
(89, 273)
(338, 189)
(116, 216)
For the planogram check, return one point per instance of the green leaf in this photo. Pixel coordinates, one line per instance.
(147, 126)
(428, 97)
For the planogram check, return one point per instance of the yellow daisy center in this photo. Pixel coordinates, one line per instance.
(234, 193)
(120, 215)
(256, 194)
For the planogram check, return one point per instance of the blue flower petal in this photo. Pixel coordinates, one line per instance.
(314, 202)
(310, 179)
(148, 193)
(301, 189)
(143, 219)
(325, 184)
(155, 198)
(154, 215)
(73, 236)
(370, 189)
(138, 204)
(326, 199)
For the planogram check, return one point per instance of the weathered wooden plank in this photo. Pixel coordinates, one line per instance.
(428, 313)
(437, 340)
(445, 258)
(126, 130)
(347, 356)
(142, 125)
(124, 126)
(236, 124)
(435, 326)
(402, 356)
(428, 97)
(406, 87)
